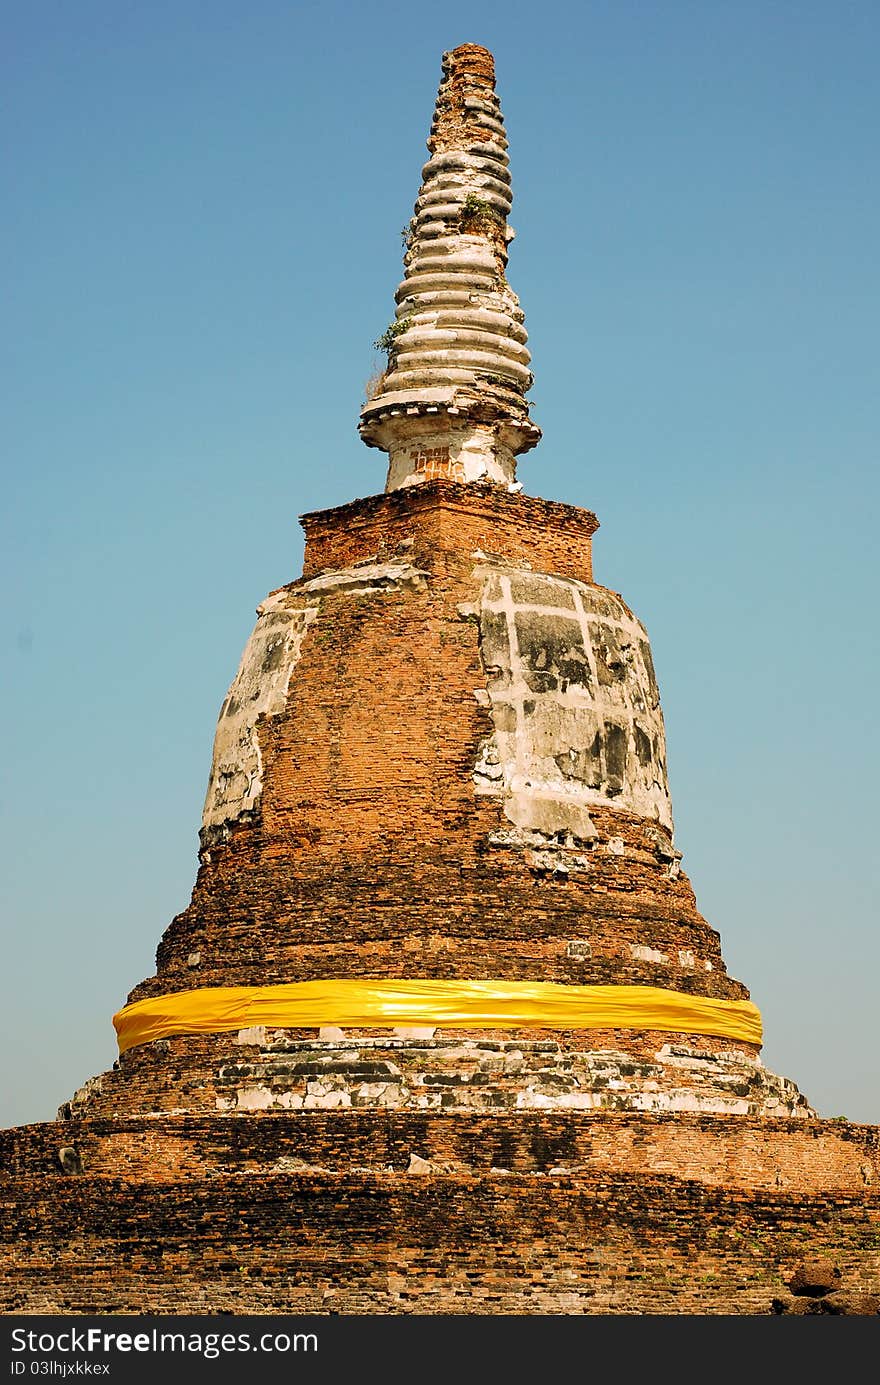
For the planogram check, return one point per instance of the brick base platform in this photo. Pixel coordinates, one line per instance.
(345, 1212)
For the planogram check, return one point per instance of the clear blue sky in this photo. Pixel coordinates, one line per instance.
(201, 238)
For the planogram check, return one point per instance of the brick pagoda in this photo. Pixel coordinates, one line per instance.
(442, 1002)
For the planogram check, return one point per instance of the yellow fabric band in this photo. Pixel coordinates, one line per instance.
(449, 1004)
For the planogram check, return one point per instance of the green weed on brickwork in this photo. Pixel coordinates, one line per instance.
(391, 333)
(475, 208)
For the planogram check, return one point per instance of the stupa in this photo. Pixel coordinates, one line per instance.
(442, 998)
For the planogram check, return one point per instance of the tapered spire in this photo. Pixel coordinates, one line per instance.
(452, 401)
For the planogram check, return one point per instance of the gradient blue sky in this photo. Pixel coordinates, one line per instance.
(201, 235)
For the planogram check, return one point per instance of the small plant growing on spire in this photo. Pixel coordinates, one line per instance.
(408, 233)
(392, 332)
(476, 209)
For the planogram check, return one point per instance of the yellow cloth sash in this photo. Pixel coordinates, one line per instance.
(449, 1004)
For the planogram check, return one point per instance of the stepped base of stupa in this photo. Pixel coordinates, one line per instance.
(530, 1212)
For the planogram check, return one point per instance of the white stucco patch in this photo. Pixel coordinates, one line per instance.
(260, 687)
(574, 703)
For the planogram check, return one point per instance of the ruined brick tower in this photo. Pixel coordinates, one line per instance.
(442, 998)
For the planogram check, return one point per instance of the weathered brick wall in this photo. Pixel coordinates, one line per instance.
(803, 1158)
(502, 1239)
(267, 910)
(440, 517)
